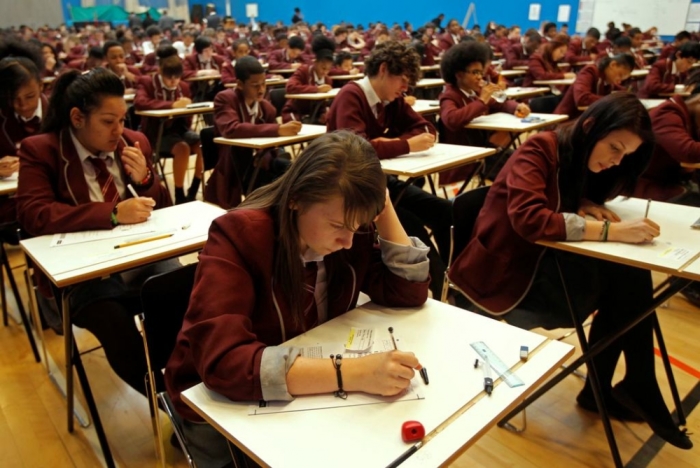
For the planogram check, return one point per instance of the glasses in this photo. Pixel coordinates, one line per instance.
(475, 72)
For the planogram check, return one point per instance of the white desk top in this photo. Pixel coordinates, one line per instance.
(425, 68)
(562, 82)
(284, 71)
(521, 67)
(652, 103)
(502, 121)
(314, 96)
(440, 335)
(676, 247)
(430, 83)
(439, 157)
(70, 264)
(307, 132)
(204, 78)
(268, 82)
(170, 113)
(8, 185)
(517, 92)
(426, 106)
(514, 72)
(356, 76)
(692, 271)
(48, 79)
(129, 97)
(639, 73)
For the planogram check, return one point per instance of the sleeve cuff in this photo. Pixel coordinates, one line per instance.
(409, 262)
(575, 226)
(274, 365)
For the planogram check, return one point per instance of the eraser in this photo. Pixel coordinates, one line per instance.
(524, 351)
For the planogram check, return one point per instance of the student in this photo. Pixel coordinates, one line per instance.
(254, 278)
(498, 40)
(595, 81)
(545, 189)
(22, 108)
(637, 39)
(185, 46)
(289, 58)
(52, 64)
(518, 55)
(374, 108)
(670, 50)
(549, 32)
(451, 36)
(583, 50)
(165, 90)
(666, 74)
(154, 37)
(340, 35)
(74, 177)
(203, 61)
(543, 65)
(94, 59)
(465, 97)
(311, 78)
(239, 49)
(114, 62)
(343, 65)
(243, 112)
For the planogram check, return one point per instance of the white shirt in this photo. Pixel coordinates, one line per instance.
(252, 111)
(182, 49)
(318, 81)
(38, 113)
(370, 94)
(148, 47)
(90, 174)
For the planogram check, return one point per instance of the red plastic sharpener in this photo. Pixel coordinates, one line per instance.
(412, 431)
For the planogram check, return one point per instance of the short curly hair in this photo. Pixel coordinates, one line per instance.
(400, 59)
(458, 57)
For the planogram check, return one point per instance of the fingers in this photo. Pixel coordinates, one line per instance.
(612, 216)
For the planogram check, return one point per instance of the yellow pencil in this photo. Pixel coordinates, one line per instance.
(141, 241)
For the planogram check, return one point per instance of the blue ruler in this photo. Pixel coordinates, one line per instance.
(497, 365)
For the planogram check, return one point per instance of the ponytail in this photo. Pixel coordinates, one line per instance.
(82, 91)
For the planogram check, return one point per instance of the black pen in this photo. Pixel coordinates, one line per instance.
(404, 456)
(488, 381)
(423, 371)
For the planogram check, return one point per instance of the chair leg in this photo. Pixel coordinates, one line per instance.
(512, 428)
(34, 311)
(669, 371)
(3, 296)
(18, 299)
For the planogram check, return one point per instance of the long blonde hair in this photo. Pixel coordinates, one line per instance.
(336, 164)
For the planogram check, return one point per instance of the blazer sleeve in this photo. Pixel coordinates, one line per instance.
(39, 212)
(654, 84)
(189, 68)
(527, 202)
(455, 118)
(512, 58)
(228, 73)
(229, 125)
(539, 72)
(299, 82)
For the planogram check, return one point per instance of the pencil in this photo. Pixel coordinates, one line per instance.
(133, 192)
(141, 241)
(404, 456)
(391, 332)
(646, 213)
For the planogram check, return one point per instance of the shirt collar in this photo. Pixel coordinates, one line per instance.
(37, 113)
(83, 153)
(370, 93)
(311, 256)
(469, 94)
(252, 111)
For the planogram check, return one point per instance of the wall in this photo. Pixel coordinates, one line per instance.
(30, 12)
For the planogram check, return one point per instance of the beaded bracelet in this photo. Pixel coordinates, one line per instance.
(337, 361)
(606, 228)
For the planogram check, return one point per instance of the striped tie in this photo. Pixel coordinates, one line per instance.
(106, 181)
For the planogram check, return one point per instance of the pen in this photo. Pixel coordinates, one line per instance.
(427, 130)
(391, 332)
(488, 381)
(646, 213)
(141, 241)
(404, 456)
(421, 370)
(293, 119)
(133, 192)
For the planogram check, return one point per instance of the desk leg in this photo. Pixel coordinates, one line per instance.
(156, 155)
(257, 157)
(669, 372)
(317, 108)
(68, 343)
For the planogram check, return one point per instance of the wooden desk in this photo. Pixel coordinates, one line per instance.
(356, 76)
(521, 67)
(270, 82)
(314, 96)
(284, 71)
(430, 83)
(426, 107)
(194, 79)
(307, 132)
(639, 73)
(503, 122)
(426, 68)
(675, 93)
(440, 157)
(516, 92)
(48, 79)
(69, 265)
(691, 165)
(437, 333)
(652, 103)
(8, 185)
(562, 82)
(512, 73)
(129, 97)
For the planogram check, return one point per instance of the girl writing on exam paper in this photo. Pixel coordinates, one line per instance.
(74, 177)
(295, 254)
(543, 193)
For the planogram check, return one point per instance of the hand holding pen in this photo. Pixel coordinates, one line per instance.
(422, 141)
(422, 370)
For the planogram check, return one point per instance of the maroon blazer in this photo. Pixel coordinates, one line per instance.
(677, 141)
(351, 111)
(540, 68)
(232, 120)
(576, 53)
(667, 52)
(53, 196)
(456, 111)
(661, 79)
(151, 95)
(137, 74)
(522, 207)
(445, 41)
(515, 56)
(302, 81)
(498, 44)
(191, 64)
(278, 60)
(588, 87)
(431, 51)
(235, 310)
(228, 72)
(150, 64)
(13, 130)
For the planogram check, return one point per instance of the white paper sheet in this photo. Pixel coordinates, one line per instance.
(123, 230)
(534, 13)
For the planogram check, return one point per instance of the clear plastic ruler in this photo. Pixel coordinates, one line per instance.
(497, 365)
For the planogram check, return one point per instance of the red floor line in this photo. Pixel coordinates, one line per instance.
(680, 364)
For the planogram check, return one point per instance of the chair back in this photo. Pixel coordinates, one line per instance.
(465, 210)
(277, 99)
(164, 299)
(210, 151)
(545, 104)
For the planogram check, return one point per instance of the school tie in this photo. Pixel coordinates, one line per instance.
(32, 125)
(381, 114)
(310, 310)
(105, 179)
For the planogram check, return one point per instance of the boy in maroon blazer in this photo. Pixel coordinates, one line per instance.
(94, 59)
(115, 62)
(289, 57)
(583, 50)
(239, 49)
(311, 79)
(519, 52)
(670, 50)
(203, 61)
(374, 108)
(666, 74)
(451, 35)
(242, 112)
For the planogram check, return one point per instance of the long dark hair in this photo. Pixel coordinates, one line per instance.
(624, 60)
(335, 164)
(20, 63)
(83, 91)
(617, 111)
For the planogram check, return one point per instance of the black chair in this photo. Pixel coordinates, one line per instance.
(277, 99)
(210, 152)
(545, 104)
(164, 299)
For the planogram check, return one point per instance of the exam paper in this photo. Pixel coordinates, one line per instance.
(123, 230)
